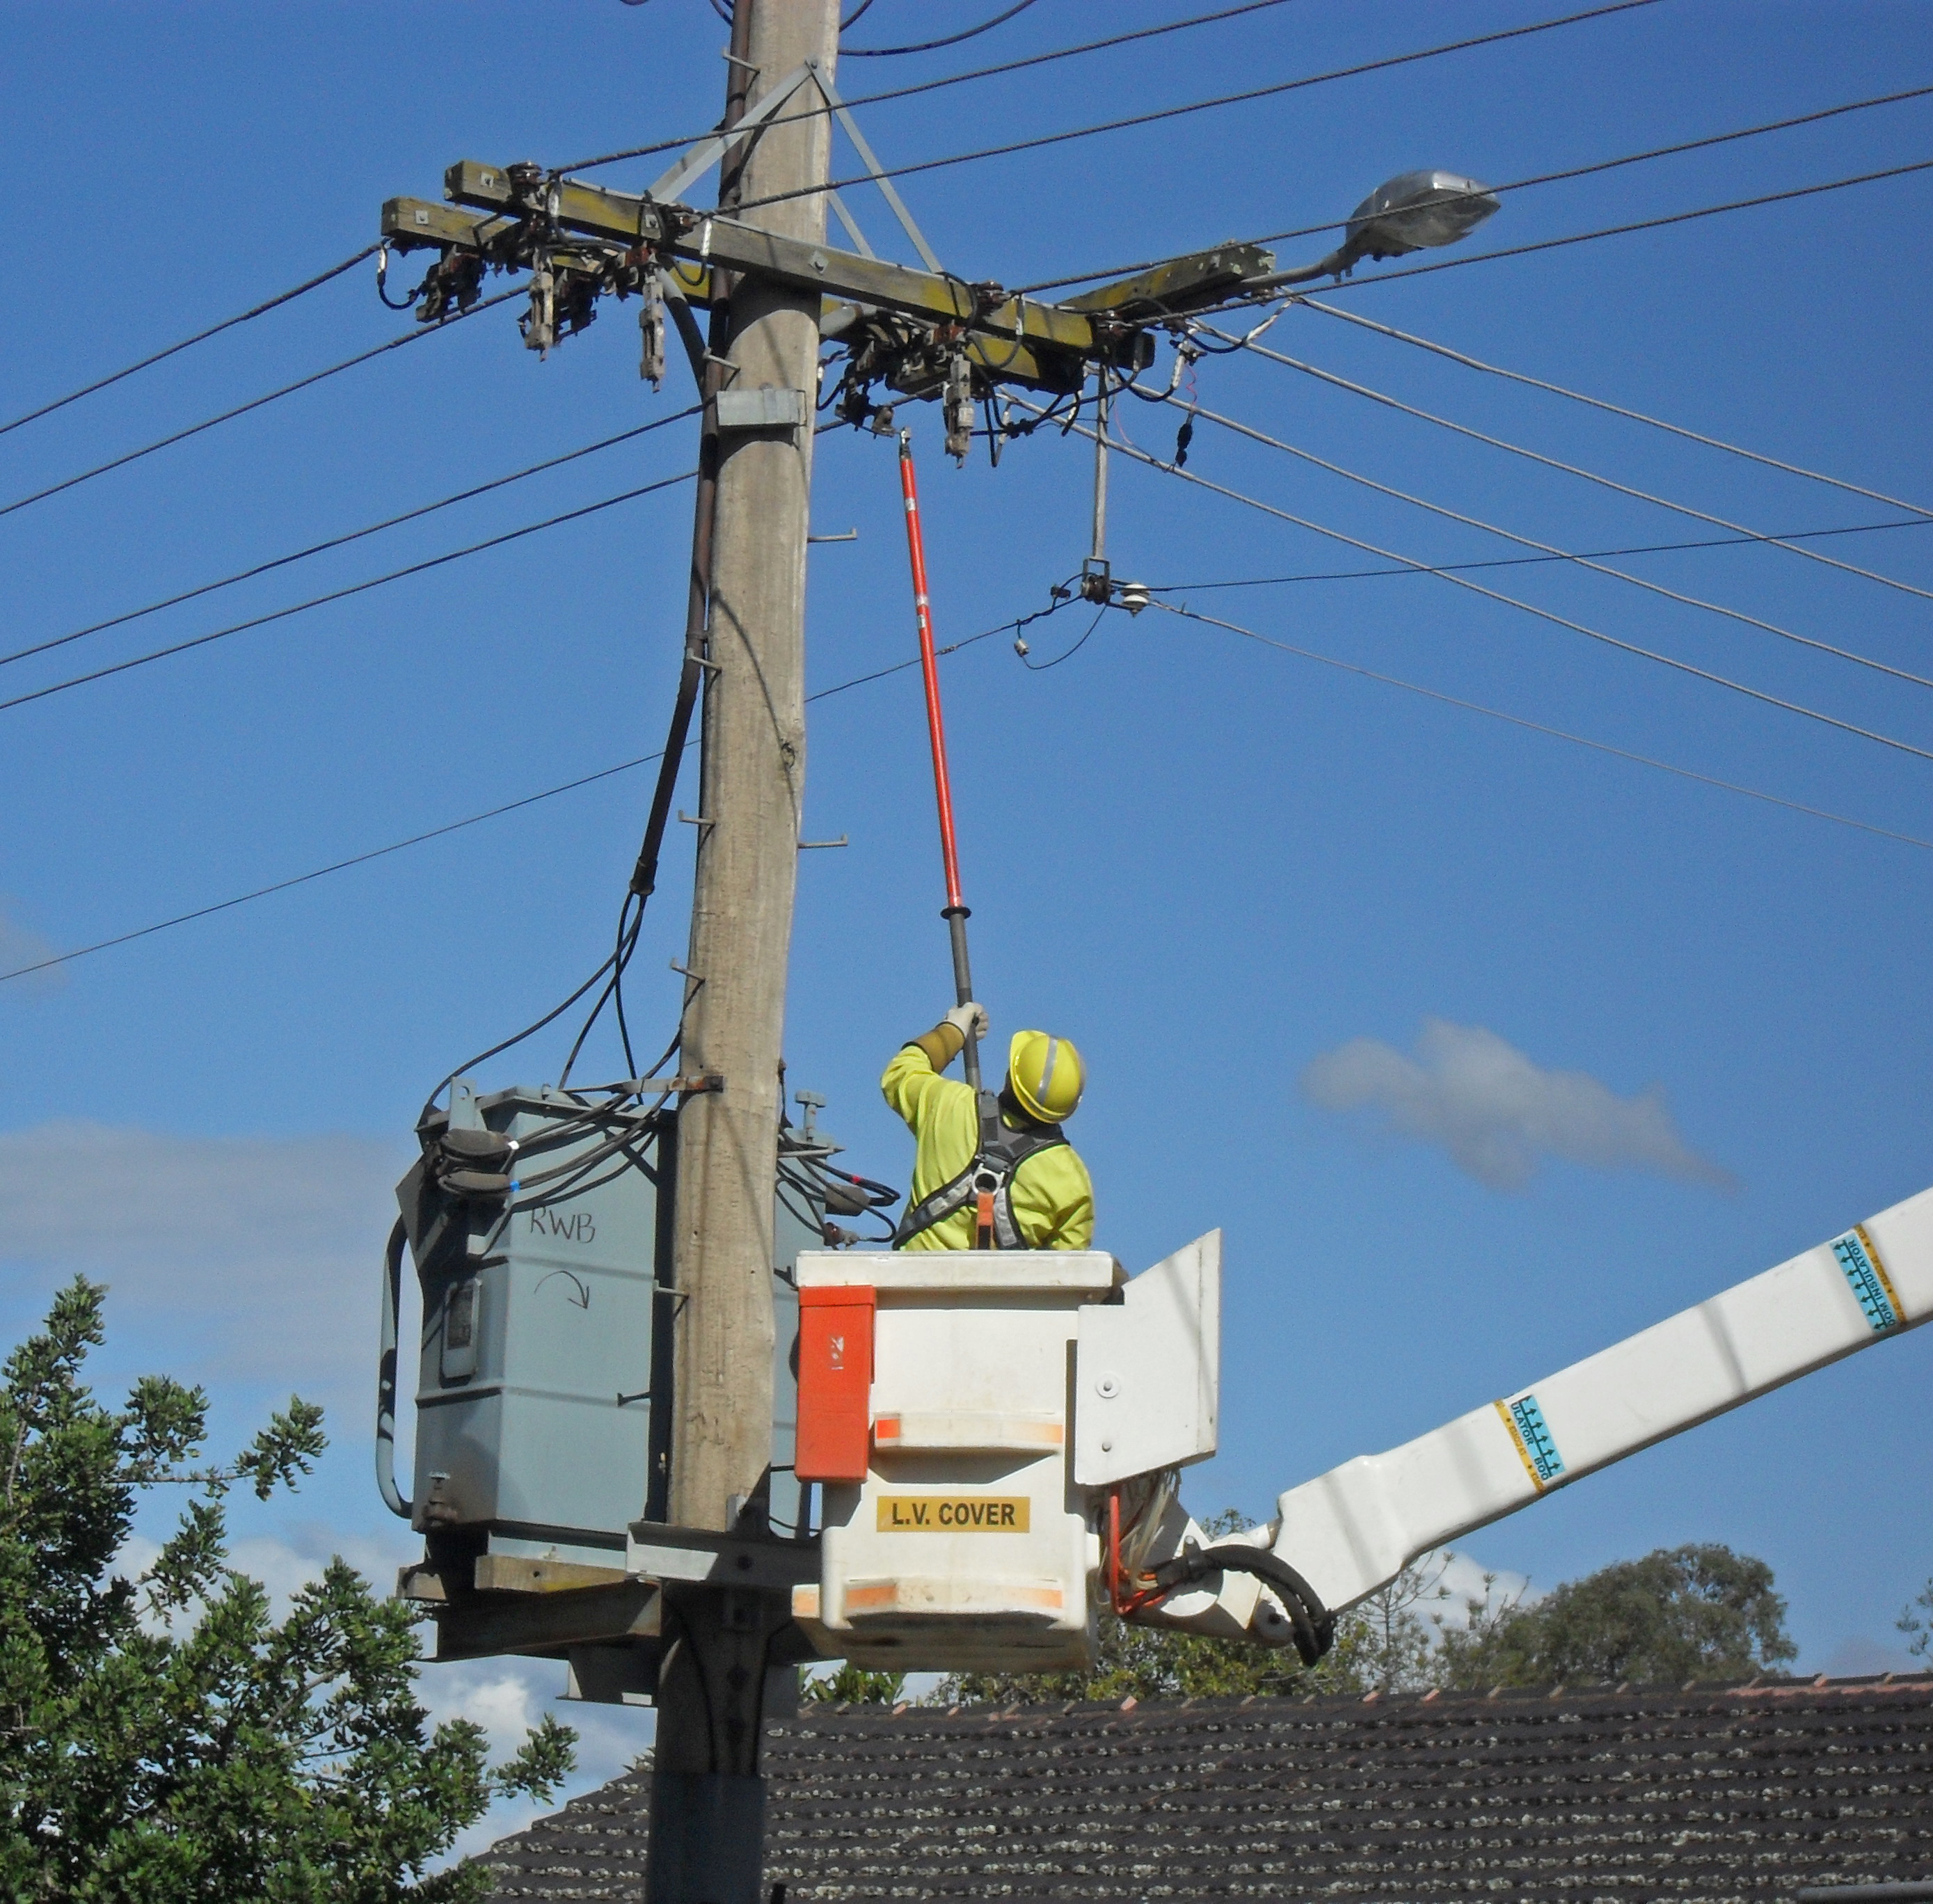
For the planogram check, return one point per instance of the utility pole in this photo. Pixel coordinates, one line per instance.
(707, 1800)
(701, 1616)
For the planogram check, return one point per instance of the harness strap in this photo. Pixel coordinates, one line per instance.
(987, 1182)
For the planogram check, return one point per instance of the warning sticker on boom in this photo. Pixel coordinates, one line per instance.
(1536, 1447)
(1878, 1301)
(953, 1514)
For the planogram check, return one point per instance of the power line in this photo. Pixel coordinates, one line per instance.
(1540, 727)
(1614, 409)
(352, 535)
(1510, 601)
(1569, 469)
(1536, 178)
(1625, 230)
(1548, 549)
(1533, 562)
(934, 46)
(341, 594)
(1202, 105)
(472, 819)
(199, 337)
(934, 86)
(254, 403)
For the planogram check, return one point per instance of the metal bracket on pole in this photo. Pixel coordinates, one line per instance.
(675, 184)
(875, 171)
(851, 225)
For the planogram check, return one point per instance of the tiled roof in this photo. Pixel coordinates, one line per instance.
(1703, 1794)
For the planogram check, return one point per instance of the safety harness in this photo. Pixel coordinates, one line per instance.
(987, 1180)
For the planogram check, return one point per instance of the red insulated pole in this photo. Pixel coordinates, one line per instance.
(955, 912)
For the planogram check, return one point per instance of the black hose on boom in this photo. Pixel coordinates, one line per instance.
(1314, 1624)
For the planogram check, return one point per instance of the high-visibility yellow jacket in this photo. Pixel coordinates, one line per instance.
(1052, 1195)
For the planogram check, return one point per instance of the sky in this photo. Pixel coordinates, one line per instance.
(1483, 1048)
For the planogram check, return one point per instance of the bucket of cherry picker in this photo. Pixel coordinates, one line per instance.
(970, 1415)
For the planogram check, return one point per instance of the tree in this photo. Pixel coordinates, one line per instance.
(854, 1685)
(1697, 1612)
(1381, 1643)
(1918, 1627)
(163, 1739)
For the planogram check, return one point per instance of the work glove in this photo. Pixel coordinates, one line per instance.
(969, 1020)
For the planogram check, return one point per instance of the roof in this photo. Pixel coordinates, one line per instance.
(1701, 1794)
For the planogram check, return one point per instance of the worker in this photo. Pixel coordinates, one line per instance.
(991, 1171)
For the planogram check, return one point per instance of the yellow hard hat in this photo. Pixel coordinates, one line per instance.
(1046, 1075)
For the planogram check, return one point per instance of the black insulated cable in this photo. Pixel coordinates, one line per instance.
(1469, 362)
(1550, 550)
(254, 403)
(1624, 230)
(1632, 649)
(488, 814)
(1533, 562)
(1578, 469)
(1204, 105)
(350, 536)
(200, 337)
(934, 46)
(460, 825)
(1540, 727)
(1647, 157)
(342, 594)
(948, 80)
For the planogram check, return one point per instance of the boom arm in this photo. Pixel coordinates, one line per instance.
(1354, 1529)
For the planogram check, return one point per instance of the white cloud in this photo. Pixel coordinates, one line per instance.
(1497, 1114)
(21, 945)
(1468, 1580)
(259, 1255)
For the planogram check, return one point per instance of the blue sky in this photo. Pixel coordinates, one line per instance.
(1209, 862)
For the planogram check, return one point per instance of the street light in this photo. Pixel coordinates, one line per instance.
(1413, 212)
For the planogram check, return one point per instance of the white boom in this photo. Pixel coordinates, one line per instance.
(1352, 1530)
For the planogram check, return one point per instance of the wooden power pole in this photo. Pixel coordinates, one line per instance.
(751, 801)
(774, 290)
(708, 1810)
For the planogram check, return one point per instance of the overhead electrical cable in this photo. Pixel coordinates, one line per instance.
(1569, 469)
(343, 594)
(255, 403)
(934, 46)
(1214, 104)
(1534, 178)
(1549, 550)
(1536, 561)
(477, 820)
(1620, 230)
(1541, 727)
(1614, 409)
(1511, 601)
(1005, 66)
(200, 337)
(350, 536)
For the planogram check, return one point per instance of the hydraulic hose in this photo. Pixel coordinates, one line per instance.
(1314, 1624)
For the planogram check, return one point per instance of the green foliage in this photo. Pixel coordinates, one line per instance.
(162, 1739)
(1697, 1612)
(1680, 1614)
(1918, 1626)
(854, 1685)
(1382, 1643)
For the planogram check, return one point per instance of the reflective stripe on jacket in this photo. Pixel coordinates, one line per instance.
(1053, 1196)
